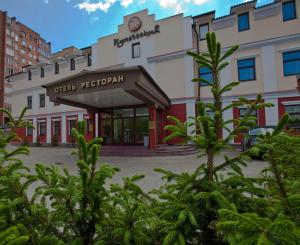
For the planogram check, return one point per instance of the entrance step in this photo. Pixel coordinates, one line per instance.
(141, 151)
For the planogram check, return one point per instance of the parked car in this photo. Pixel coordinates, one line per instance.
(251, 138)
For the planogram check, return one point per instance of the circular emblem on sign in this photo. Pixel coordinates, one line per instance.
(134, 23)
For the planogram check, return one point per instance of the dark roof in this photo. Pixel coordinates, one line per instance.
(140, 68)
(242, 4)
(206, 14)
(86, 48)
(268, 4)
(14, 74)
(236, 6)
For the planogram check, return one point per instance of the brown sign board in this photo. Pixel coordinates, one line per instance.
(133, 80)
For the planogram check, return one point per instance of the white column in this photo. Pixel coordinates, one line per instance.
(190, 112)
(268, 60)
(97, 124)
(272, 114)
(227, 115)
(35, 102)
(34, 133)
(49, 135)
(63, 129)
(226, 75)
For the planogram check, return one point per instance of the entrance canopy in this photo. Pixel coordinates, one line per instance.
(105, 89)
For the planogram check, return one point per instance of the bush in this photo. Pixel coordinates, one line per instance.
(202, 207)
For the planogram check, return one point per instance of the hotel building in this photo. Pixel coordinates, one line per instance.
(267, 61)
(127, 83)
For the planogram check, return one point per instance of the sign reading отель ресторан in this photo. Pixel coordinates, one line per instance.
(135, 36)
(84, 85)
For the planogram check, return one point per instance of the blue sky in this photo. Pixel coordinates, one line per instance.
(81, 22)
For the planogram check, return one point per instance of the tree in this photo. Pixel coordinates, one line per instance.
(207, 190)
(215, 204)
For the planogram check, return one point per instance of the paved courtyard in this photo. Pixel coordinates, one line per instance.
(130, 165)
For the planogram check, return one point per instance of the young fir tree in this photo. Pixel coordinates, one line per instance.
(207, 206)
(19, 213)
(192, 200)
(279, 220)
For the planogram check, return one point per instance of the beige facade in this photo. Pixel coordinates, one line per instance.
(159, 48)
(162, 53)
(268, 37)
(265, 41)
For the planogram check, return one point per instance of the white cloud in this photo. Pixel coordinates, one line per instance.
(174, 4)
(92, 7)
(104, 5)
(125, 3)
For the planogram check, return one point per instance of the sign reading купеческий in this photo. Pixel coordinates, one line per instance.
(84, 85)
(119, 42)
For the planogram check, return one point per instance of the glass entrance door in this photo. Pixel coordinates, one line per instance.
(118, 131)
(124, 126)
(128, 131)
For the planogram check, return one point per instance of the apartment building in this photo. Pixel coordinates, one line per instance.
(20, 46)
(267, 62)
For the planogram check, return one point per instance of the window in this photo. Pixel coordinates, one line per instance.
(89, 59)
(210, 113)
(289, 10)
(42, 128)
(246, 69)
(294, 112)
(203, 30)
(136, 52)
(29, 102)
(42, 72)
(24, 43)
(205, 73)
(42, 100)
(56, 68)
(72, 124)
(291, 63)
(243, 22)
(56, 128)
(72, 64)
(242, 113)
(29, 75)
(29, 131)
(89, 125)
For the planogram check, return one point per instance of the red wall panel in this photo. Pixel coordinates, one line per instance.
(178, 111)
